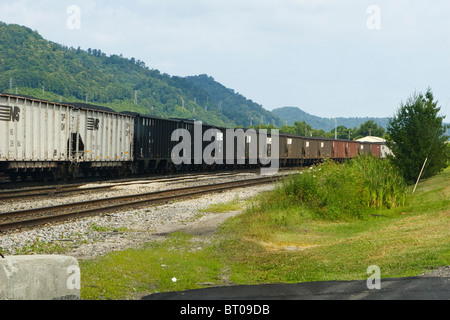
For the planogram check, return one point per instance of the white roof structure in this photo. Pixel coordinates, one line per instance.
(371, 139)
(385, 151)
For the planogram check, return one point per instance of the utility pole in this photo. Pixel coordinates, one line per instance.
(135, 96)
(10, 84)
(335, 128)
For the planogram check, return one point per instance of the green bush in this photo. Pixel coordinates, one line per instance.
(334, 191)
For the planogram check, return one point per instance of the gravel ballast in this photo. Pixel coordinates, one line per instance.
(93, 236)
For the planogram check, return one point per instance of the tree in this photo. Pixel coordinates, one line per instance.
(416, 132)
(299, 129)
(369, 128)
(341, 132)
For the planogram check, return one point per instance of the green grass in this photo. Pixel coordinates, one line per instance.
(288, 244)
(221, 207)
(175, 264)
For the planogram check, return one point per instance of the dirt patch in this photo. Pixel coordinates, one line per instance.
(272, 246)
(205, 226)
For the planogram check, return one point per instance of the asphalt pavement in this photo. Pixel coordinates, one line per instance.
(411, 288)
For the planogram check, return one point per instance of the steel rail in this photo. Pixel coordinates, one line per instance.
(87, 208)
(62, 189)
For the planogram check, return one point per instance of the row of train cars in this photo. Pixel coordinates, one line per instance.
(50, 141)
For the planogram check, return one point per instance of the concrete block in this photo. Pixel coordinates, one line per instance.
(40, 277)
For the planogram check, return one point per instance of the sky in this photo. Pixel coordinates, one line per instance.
(346, 58)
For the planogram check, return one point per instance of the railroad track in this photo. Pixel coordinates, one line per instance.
(40, 216)
(65, 189)
(45, 191)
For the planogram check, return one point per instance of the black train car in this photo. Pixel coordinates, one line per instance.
(240, 147)
(152, 142)
(216, 153)
(153, 145)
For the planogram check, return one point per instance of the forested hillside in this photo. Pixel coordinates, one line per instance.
(233, 105)
(31, 65)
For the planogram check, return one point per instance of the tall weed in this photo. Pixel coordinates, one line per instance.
(335, 191)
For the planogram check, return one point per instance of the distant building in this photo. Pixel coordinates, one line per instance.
(372, 139)
(384, 149)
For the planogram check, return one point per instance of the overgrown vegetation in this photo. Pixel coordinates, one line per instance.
(264, 245)
(334, 191)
